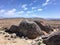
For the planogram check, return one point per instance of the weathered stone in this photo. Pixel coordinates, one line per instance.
(13, 35)
(13, 29)
(6, 36)
(29, 29)
(53, 39)
(43, 26)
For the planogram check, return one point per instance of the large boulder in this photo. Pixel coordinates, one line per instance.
(53, 38)
(29, 29)
(44, 26)
(12, 29)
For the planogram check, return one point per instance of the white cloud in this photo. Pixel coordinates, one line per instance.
(15, 13)
(10, 12)
(13, 10)
(1, 11)
(40, 9)
(20, 12)
(47, 0)
(46, 3)
(34, 7)
(53, 2)
(24, 6)
(29, 12)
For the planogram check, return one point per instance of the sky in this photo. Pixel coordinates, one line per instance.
(30, 8)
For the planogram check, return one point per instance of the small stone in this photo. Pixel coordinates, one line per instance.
(6, 36)
(2, 32)
(14, 41)
(42, 44)
(9, 38)
(13, 35)
(26, 38)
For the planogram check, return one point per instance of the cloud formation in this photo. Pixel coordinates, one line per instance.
(46, 3)
(34, 8)
(20, 12)
(10, 12)
(40, 9)
(24, 6)
(30, 8)
(1, 11)
(14, 13)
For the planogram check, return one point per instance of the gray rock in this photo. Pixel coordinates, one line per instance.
(13, 35)
(13, 29)
(44, 26)
(53, 39)
(29, 29)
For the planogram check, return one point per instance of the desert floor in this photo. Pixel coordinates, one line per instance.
(6, 40)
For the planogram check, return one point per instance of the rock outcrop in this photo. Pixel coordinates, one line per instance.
(30, 29)
(13, 29)
(27, 29)
(53, 38)
(44, 27)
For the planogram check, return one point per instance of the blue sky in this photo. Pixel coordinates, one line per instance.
(30, 8)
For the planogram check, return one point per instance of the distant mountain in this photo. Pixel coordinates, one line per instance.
(56, 19)
(32, 18)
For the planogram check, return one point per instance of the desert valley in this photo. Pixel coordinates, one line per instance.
(49, 27)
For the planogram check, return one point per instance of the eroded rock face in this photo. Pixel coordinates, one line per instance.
(44, 27)
(30, 29)
(13, 29)
(27, 29)
(53, 39)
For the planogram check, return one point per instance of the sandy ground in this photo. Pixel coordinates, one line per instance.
(16, 41)
(11, 41)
